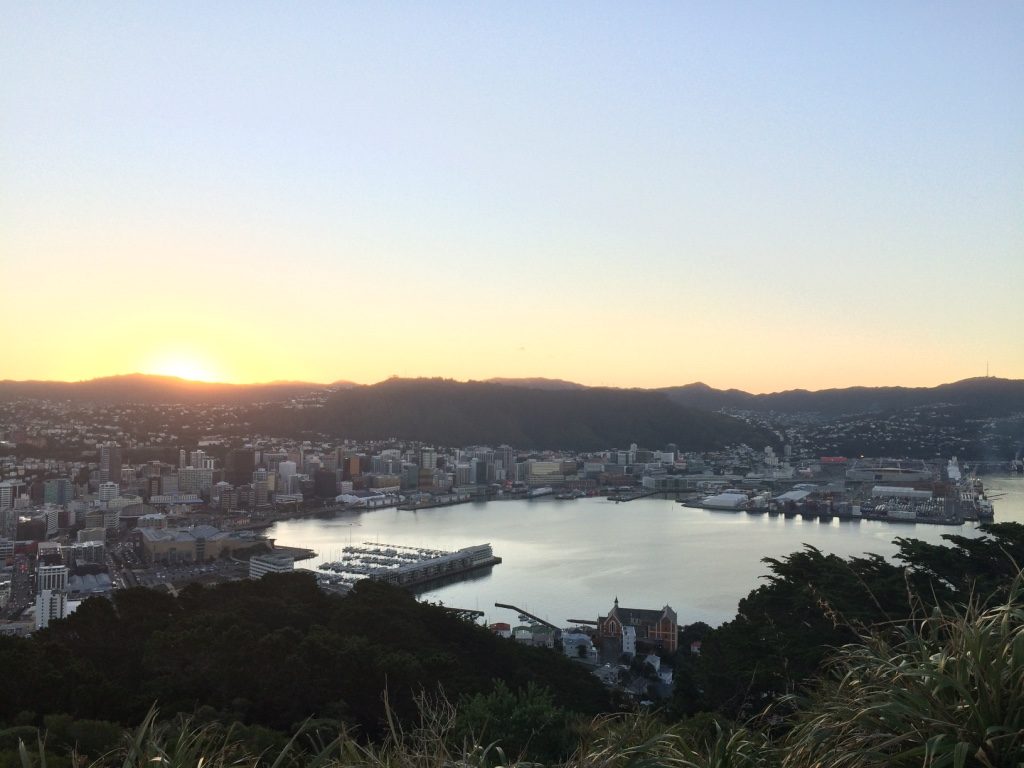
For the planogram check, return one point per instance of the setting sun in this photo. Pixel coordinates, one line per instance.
(184, 368)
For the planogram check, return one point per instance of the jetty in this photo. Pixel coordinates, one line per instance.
(405, 566)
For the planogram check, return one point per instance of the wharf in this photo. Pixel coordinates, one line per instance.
(296, 553)
(634, 495)
(434, 503)
(406, 566)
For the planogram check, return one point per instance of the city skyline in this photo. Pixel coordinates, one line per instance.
(764, 197)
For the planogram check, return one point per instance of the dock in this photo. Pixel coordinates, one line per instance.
(634, 495)
(405, 566)
(295, 553)
(446, 500)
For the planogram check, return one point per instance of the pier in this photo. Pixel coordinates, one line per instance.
(405, 566)
(637, 494)
(432, 502)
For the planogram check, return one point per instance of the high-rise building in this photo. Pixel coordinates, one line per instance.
(239, 466)
(58, 491)
(285, 471)
(110, 463)
(200, 460)
(51, 594)
(261, 493)
(51, 513)
(428, 458)
(8, 492)
(507, 456)
(195, 480)
(109, 491)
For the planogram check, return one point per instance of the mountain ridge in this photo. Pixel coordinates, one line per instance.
(985, 394)
(447, 412)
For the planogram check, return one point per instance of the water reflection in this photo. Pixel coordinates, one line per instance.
(572, 558)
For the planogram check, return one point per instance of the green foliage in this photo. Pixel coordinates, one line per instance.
(984, 565)
(915, 682)
(942, 689)
(87, 738)
(814, 603)
(948, 692)
(268, 653)
(526, 723)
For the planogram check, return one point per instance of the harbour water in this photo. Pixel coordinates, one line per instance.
(571, 559)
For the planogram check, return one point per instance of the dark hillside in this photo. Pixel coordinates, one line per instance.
(455, 413)
(983, 396)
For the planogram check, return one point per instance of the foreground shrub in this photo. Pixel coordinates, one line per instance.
(949, 692)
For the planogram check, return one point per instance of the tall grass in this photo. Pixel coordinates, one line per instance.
(947, 691)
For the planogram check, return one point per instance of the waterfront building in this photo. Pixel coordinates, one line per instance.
(890, 470)
(261, 493)
(192, 545)
(261, 565)
(656, 627)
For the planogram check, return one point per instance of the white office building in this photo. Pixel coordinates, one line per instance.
(52, 594)
(261, 565)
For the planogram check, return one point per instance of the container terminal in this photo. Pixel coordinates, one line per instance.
(884, 490)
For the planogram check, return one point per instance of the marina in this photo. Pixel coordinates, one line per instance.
(402, 565)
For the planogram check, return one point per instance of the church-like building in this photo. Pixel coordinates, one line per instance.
(658, 627)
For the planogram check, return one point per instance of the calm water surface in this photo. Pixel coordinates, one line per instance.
(570, 559)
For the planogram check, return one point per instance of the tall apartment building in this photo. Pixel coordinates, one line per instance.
(200, 460)
(8, 493)
(51, 594)
(239, 466)
(109, 491)
(197, 480)
(58, 491)
(110, 463)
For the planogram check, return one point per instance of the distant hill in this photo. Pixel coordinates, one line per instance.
(983, 396)
(456, 413)
(537, 382)
(145, 388)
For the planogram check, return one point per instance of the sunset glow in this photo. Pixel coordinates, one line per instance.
(184, 368)
(761, 196)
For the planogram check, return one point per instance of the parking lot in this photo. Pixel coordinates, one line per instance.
(179, 575)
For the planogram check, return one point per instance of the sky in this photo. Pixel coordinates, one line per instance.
(761, 195)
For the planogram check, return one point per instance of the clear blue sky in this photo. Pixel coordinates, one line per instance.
(759, 195)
